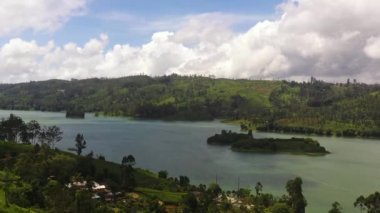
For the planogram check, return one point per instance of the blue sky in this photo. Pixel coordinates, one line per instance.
(96, 19)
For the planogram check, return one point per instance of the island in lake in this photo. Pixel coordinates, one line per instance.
(247, 143)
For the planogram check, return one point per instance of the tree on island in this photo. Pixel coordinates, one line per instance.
(80, 143)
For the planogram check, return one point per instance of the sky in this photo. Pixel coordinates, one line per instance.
(253, 39)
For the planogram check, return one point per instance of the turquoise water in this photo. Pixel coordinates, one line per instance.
(180, 148)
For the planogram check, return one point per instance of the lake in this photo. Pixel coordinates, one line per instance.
(350, 170)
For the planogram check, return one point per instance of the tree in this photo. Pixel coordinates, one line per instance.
(127, 176)
(371, 203)
(250, 133)
(184, 181)
(360, 202)
(128, 161)
(80, 143)
(163, 174)
(12, 128)
(190, 202)
(57, 197)
(336, 208)
(83, 201)
(51, 135)
(258, 188)
(33, 129)
(294, 188)
(214, 190)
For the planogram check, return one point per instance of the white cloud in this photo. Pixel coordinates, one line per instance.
(372, 49)
(333, 40)
(37, 15)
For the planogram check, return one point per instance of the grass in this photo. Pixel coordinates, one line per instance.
(254, 91)
(165, 196)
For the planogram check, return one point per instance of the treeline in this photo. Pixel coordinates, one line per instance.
(328, 109)
(167, 97)
(14, 129)
(315, 107)
(228, 138)
(352, 132)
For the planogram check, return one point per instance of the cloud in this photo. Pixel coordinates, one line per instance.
(17, 16)
(332, 40)
(372, 49)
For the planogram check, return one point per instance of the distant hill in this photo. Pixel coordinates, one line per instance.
(316, 107)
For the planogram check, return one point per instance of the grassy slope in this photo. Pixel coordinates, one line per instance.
(254, 91)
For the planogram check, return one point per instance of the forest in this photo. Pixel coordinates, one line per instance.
(37, 177)
(347, 109)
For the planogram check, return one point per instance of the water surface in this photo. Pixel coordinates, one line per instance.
(180, 148)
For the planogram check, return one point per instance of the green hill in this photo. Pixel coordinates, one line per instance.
(315, 107)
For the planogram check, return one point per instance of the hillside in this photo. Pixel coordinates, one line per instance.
(315, 107)
(168, 97)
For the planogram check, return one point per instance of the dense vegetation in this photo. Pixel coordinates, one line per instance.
(315, 107)
(247, 143)
(325, 109)
(36, 177)
(168, 97)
